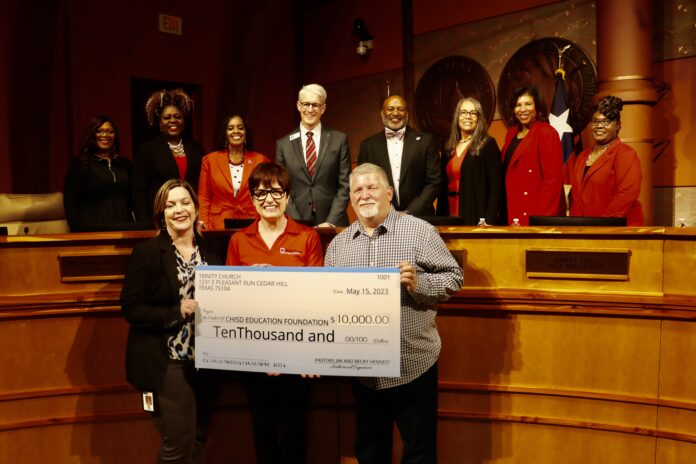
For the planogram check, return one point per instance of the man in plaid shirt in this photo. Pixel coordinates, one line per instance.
(381, 237)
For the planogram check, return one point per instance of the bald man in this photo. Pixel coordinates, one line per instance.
(410, 159)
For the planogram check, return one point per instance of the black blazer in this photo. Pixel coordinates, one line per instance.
(154, 166)
(480, 186)
(150, 304)
(421, 177)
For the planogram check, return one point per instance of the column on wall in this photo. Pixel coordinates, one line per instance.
(624, 63)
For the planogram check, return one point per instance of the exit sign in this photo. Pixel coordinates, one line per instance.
(170, 24)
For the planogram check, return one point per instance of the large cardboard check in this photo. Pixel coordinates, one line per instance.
(299, 320)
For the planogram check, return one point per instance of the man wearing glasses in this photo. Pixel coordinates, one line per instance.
(410, 159)
(318, 161)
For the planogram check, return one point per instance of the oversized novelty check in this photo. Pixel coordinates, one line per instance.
(299, 320)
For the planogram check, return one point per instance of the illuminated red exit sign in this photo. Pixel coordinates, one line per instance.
(170, 24)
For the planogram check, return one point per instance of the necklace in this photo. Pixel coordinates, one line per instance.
(177, 149)
(466, 139)
(597, 151)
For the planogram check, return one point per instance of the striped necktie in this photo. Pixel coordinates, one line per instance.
(311, 154)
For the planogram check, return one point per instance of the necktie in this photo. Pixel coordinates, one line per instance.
(399, 135)
(311, 154)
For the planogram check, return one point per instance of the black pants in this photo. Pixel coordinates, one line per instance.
(183, 408)
(413, 407)
(278, 407)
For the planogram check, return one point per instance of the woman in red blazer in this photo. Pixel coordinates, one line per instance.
(223, 188)
(605, 179)
(532, 161)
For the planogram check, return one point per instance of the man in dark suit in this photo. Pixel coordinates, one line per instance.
(318, 161)
(410, 159)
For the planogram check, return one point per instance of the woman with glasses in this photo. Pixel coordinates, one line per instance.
(472, 168)
(98, 182)
(605, 179)
(277, 402)
(170, 155)
(532, 161)
(223, 188)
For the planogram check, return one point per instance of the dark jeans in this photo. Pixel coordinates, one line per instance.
(413, 407)
(278, 413)
(183, 408)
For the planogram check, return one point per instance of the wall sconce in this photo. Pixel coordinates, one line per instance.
(365, 39)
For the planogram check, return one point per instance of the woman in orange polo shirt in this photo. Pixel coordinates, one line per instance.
(277, 402)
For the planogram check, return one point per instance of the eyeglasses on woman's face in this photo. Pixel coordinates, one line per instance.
(468, 114)
(601, 122)
(261, 194)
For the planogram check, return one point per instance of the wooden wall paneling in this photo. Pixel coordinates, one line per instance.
(566, 371)
(671, 451)
(680, 267)
(499, 442)
(134, 442)
(499, 262)
(549, 351)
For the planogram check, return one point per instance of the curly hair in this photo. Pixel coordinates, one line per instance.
(610, 107)
(161, 99)
(480, 135)
(88, 146)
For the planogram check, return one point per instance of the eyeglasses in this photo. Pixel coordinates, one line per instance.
(105, 132)
(472, 114)
(601, 122)
(261, 194)
(308, 105)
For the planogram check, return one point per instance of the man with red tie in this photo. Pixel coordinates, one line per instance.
(318, 161)
(410, 159)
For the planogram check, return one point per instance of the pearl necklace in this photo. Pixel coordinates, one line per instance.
(177, 149)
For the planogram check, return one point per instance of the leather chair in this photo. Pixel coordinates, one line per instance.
(34, 213)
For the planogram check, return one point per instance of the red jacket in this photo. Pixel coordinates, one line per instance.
(534, 178)
(215, 192)
(611, 186)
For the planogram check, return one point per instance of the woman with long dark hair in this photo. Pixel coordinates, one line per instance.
(97, 189)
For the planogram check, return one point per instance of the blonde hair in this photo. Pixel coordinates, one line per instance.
(312, 89)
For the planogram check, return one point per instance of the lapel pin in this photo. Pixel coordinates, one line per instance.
(418, 138)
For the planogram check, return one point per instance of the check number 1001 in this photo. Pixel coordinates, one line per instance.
(362, 319)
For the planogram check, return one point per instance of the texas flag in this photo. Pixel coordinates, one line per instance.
(560, 114)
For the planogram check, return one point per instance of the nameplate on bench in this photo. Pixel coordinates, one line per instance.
(93, 267)
(573, 263)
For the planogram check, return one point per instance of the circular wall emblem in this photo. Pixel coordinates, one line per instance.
(536, 64)
(443, 85)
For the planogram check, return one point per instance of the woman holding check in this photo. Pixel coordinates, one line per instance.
(158, 301)
(277, 402)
